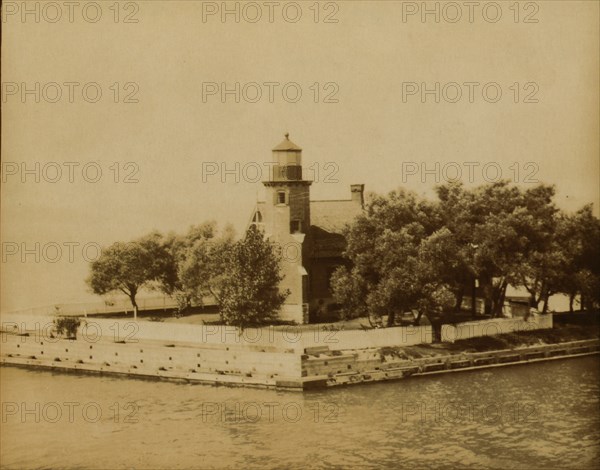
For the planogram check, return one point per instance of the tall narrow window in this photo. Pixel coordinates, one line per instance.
(295, 226)
(280, 197)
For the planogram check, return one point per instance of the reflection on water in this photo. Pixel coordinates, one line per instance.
(524, 417)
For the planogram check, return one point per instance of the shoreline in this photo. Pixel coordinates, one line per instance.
(293, 370)
(469, 361)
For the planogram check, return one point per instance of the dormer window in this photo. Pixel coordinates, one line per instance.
(281, 197)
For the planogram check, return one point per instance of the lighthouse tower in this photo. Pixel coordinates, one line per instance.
(309, 234)
(286, 221)
(287, 194)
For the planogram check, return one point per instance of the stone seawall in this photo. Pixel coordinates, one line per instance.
(244, 365)
(317, 368)
(289, 359)
(362, 366)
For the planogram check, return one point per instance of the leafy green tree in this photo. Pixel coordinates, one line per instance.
(184, 276)
(547, 269)
(451, 260)
(350, 288)
(407, 252)
(242, 277)
(200, 264)
(566, 261)
(391, 267)
(498, 229)
(129, 267)
(581, 240)
(248, 287)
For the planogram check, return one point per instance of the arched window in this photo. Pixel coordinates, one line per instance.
(257, 219)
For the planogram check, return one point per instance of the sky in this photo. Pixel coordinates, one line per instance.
(517, 97)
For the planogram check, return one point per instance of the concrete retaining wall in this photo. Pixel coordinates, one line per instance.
(378, 338)
(280, 338)
(451, 333)
(290, 358)
(275, 339)
(154, 356)
(292, 313)
(133, 331)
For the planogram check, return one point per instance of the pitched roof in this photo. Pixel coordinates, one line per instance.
(287, 144)
(332, 216)
(328, 219)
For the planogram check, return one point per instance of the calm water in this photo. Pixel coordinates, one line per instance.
(538, 416)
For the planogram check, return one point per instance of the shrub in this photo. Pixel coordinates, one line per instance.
(67, 326)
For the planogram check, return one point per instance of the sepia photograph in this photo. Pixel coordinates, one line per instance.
(312, 234)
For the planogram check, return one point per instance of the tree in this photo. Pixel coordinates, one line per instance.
(242, 277)
(547, 269)
(407, 252)
(350, 289)
(128, 267)
(581, 241)
(184, 277)
(498, 229)
(451, 259)
(455, 244)
(248, 288)
(200, 263)
(391, 267)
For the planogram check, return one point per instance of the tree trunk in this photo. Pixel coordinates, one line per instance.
(391, 318)
(532, 301)
(501, 297)
(540, 297)
(545, 308)
(532, 289)
(459, 298)
(487, 290)
(134, 304)
(571, 301)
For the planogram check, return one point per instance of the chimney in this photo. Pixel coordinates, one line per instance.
(357, 191)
